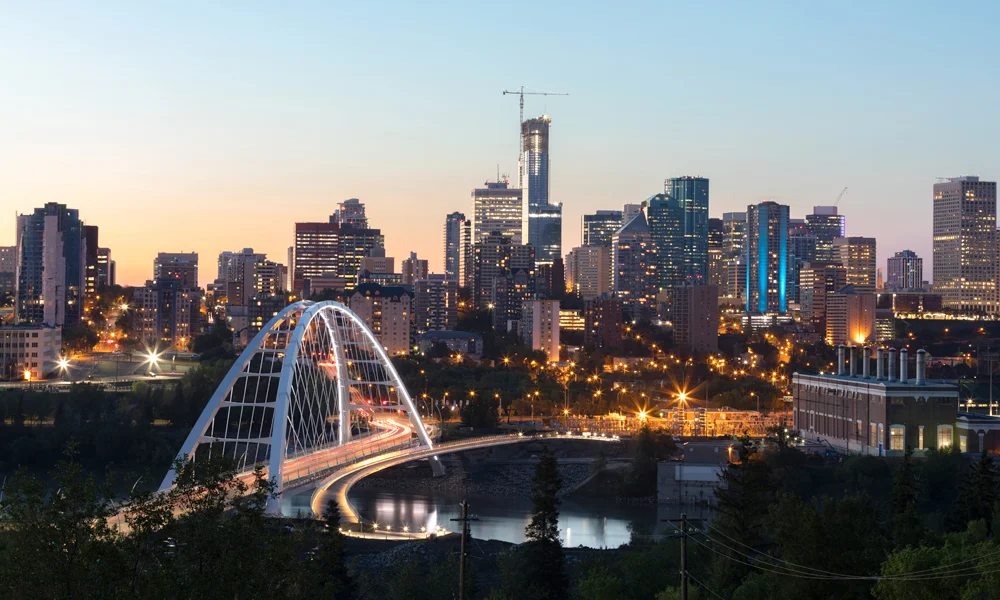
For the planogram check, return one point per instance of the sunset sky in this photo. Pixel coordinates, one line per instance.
(180, 126)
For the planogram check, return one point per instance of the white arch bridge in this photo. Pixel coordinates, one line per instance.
(314, 399)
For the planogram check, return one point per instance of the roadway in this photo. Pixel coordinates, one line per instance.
(339, 484)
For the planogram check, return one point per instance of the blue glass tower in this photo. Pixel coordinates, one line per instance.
(678, 223)
(767, 258)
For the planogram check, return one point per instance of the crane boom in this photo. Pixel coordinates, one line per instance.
(839, 196)
(521, 94)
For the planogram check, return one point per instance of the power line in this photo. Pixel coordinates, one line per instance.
(705, 587)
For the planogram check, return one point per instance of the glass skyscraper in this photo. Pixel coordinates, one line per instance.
(826, 225)
(51, 249)
(543, 219)
(453, 224)
(767, 258)
(600, 227)
(678, 223)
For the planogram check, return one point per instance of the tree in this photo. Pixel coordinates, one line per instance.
(600, 583)
(743, 495)
(642, 479)
(907, 529)
(330, 578)
(544, 525)
(978, 494)
(536, 570)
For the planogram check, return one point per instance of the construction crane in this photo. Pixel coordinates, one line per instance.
(839, 196)
(521, 93)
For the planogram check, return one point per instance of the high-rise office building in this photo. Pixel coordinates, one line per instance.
(857, 254)
(767, 258)
(588, 270)
(539, 327)
(905, 271)
(350, 212)
(90, 260)
(631, 211)
(51, 249)
(8, 273)
(678, 224)
(355, 244)
(696, 317)
(816, 282)
(542, 218)
(317, 251)
(965, 244)
(414, 268)
(435, 304)
(717, 271)
(269, 278)
(182, 266)
(603, 323)
(826, 225)
(105, 267)
(466, 271)
(236, 275)
(801, 250)
(453, 225)
(600, 227)
(497, 209)
(635, 266)
(734, 241)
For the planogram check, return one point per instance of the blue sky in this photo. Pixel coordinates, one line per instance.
(180, 126)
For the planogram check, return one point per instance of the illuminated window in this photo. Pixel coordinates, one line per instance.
(944, 435)
(897, 437)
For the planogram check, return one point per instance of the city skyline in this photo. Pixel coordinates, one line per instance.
(237, 142)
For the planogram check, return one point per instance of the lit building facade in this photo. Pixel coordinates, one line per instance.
(602, 323)
(600, 227)
(435, 304)
(91, 246)
(453, 225)
(965, 244)
(542, 218)
(827, 225)
(905, 271)
(316, 254)
(105, 267)
(350, 212)
(387, 311)
(588, 270)
(857, 254)
(874, 412)
(717, 271)
(180, 266)
(767, 258)
(634, 261)
(539, 327)
(801, 250)
(51, 249)
(678, 223)
(29, 352)
(816, 282)
(414, 268)
(696, 317)
(497, 209)
(850, 317)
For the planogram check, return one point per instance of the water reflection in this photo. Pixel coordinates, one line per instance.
(594, 524)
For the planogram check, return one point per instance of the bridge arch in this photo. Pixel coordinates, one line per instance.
(311, 383)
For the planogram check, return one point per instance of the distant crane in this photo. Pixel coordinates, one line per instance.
(841, 195)
(521, 93)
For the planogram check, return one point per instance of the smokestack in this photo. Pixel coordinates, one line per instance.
(854, 363)
(921, 366)
(902, 365)
(879, 370)
(840, 359)
(866, 356)
(892, 364)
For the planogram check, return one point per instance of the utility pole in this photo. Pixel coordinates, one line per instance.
(684, 573)
(461, 559)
